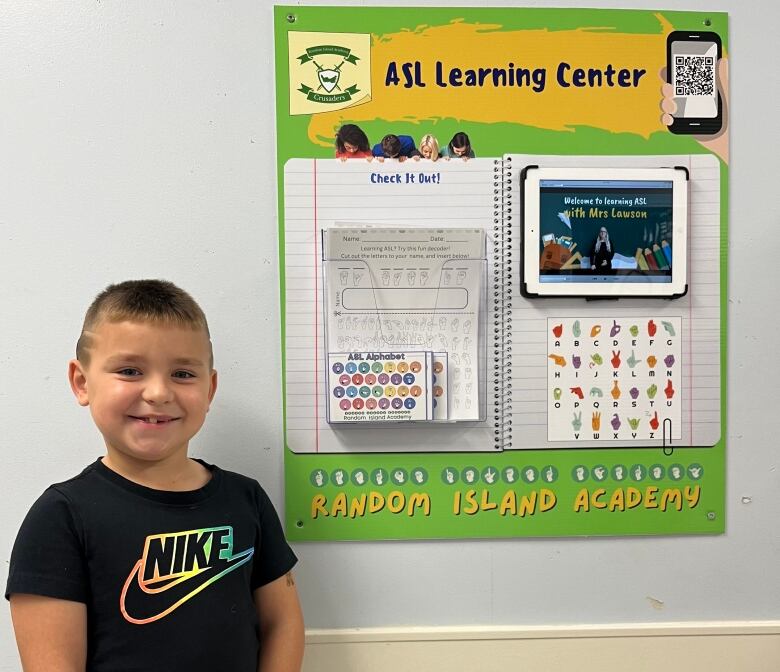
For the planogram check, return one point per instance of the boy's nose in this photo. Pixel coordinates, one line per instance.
(157, 390)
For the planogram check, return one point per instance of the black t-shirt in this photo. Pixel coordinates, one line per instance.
(167, 577)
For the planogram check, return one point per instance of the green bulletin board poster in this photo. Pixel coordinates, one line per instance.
(538, 453)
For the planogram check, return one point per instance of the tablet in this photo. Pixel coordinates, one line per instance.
(604, 232)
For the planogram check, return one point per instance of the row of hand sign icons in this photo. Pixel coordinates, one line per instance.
(638, 472)
(595, 422)
(597, 360)
(615, 329)
(492, 475)
(616, 392)
(398, 476)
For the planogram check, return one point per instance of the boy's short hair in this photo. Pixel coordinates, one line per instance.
(157, 301)
(391, 145)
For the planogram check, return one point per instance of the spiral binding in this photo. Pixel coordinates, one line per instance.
(502, 304)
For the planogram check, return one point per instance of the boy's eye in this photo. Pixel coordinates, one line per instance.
(129, 371)
(183, 374)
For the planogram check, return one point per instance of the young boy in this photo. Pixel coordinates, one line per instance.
(148, 559)
(399, 147)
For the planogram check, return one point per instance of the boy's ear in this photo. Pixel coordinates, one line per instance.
(212, 385)
(78, 381)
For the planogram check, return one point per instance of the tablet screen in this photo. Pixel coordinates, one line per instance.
(605, 231)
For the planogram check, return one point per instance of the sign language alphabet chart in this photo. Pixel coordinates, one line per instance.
(614, 379)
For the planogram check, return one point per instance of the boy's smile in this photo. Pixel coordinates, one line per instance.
(148, 386)
(154, 420)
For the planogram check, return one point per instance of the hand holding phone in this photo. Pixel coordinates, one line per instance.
(692, 60)
(717, 143)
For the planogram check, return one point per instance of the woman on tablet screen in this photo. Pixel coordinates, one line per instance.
(601, 257)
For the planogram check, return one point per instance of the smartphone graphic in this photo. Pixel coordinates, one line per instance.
(691, 68)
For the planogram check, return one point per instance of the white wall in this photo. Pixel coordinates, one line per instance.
(137, 140)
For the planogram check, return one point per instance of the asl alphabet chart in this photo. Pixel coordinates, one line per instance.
(380, 387)
(614, 379)
(393, 289)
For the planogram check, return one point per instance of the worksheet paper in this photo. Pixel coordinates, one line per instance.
(388, 289)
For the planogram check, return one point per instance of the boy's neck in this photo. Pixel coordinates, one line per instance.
(177, 473)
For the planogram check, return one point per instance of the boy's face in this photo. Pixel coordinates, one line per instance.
(148, 387)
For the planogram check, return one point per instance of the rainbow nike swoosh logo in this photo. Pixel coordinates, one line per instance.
(174, 568)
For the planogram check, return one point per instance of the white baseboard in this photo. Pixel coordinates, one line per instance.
(738, 646)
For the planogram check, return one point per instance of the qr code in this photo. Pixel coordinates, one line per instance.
(694, 75)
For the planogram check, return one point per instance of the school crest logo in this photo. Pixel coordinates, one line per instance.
(328, 71)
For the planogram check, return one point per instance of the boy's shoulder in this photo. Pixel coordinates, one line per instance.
(63, 503)
(237, 481)
(72, 486)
